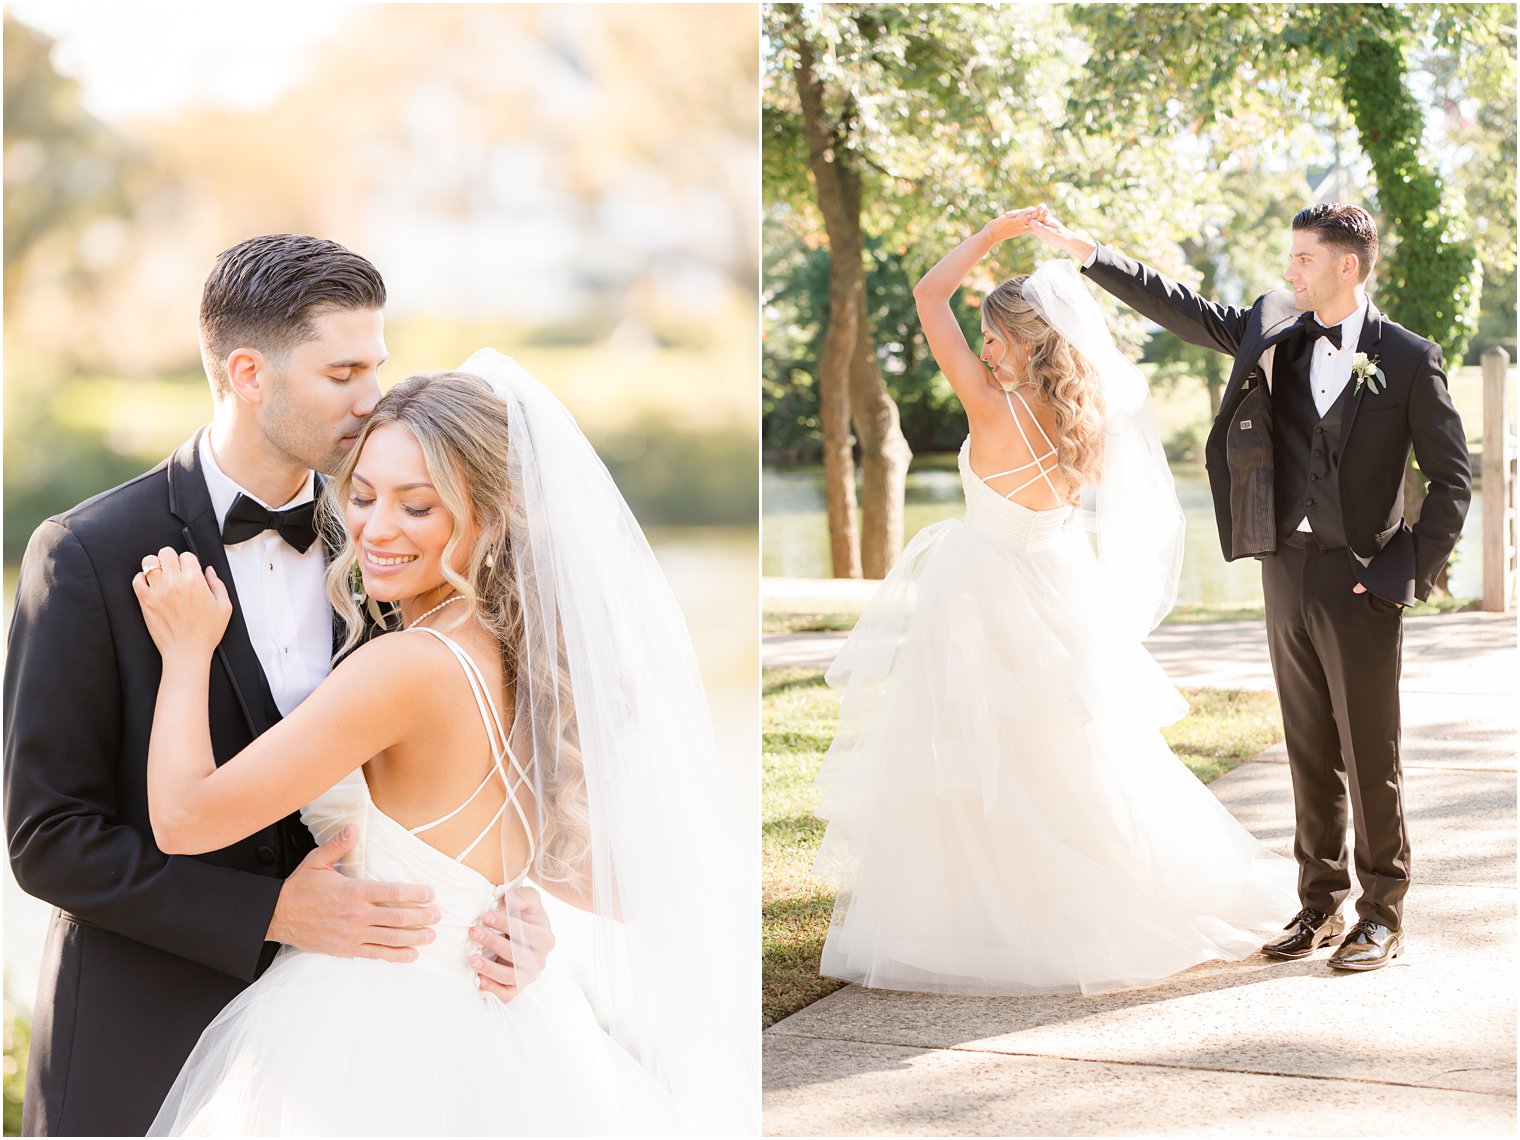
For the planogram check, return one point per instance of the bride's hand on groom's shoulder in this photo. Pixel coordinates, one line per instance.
(186, 609)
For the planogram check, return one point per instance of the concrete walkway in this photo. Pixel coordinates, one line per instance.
(1424, 1047)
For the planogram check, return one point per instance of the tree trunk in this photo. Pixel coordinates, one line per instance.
(834, 411)
(884, 453)
(838, 188)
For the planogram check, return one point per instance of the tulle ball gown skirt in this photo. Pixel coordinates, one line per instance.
(1004, 814)
(325, 1046)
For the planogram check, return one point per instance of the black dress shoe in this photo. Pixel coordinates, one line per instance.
(1305, 933)
(1369, 946)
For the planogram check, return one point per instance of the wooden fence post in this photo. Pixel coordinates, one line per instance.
(1498, 484)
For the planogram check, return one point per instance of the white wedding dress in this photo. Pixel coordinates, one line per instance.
(324, 1046)
(1004, 815)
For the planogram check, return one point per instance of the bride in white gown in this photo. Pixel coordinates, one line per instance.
(1004, 814)
(539, 718)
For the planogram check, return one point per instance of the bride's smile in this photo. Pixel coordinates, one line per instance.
(397, 521)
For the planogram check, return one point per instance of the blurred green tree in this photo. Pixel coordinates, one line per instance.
(1266, 63)
(529, 176)
(1473, 95)
(63, 168)
(939, 148)
(795, 291)
(18, 1037)
(888, 121)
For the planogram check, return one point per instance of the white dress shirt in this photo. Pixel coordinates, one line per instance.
(1330, 367)
(281, 592)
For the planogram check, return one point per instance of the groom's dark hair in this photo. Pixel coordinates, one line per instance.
(263, 293)
(1349, 229)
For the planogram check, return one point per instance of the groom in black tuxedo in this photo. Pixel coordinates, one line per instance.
(1306, 463)
(144, 949)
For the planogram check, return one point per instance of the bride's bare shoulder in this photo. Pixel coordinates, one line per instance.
(402, 657)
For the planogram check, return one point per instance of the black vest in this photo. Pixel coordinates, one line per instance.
(1306, 447)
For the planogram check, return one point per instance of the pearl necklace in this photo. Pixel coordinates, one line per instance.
(450, 600)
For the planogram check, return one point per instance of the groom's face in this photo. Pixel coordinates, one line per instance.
(317, 397)
(1318, 273)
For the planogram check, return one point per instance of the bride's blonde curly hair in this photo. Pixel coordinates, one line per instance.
(1064, 379)
(461, 427)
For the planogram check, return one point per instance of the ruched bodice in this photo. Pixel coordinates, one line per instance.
(991, 512)
(385, 851)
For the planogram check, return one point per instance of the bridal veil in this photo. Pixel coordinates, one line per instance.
(608, 689)
(1139, 520)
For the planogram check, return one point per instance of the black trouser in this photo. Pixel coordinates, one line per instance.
(1336, 657)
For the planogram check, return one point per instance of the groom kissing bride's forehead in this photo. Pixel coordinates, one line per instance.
(1306, 459)
(293, 328)
(145, 948)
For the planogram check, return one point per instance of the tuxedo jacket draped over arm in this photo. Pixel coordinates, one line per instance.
(1395, 559)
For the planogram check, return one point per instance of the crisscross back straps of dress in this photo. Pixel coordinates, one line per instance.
(1038, 461)
(500, 750)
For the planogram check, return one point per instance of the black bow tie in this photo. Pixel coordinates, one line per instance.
(1315, 329)
(248, 518)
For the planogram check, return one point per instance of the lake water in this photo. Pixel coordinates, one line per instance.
(794, 530)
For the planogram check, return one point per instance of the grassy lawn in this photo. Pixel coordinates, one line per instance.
(778, 615)
(798, 713)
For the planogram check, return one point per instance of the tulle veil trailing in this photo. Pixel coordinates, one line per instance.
(1140, 524)
(609, 682)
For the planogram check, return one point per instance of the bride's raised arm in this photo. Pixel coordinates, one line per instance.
(366, 705)
(967, 372)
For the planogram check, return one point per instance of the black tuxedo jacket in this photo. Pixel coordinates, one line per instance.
(144, 948)
(1393, 559)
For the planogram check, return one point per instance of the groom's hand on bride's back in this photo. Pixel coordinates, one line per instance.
(324, 911)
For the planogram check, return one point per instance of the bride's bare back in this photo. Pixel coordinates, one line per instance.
(1015, 454)
(443, 775)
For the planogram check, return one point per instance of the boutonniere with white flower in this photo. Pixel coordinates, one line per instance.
(363, 600)
(1365, 369)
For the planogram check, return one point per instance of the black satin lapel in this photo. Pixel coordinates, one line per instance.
(236, 649)
(190, 502)
(1371, 335)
